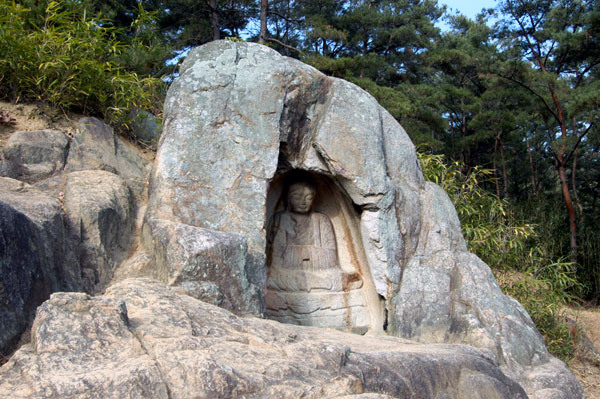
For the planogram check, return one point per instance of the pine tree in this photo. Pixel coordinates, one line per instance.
(555, 39)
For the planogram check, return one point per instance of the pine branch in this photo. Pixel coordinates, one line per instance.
(531, 91)
(578, 142)
(272, 39)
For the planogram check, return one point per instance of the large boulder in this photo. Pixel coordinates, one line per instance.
(37, 154)
(145, 340)
(96, 147)
(241, 118)
(99, 208)
(35, 256)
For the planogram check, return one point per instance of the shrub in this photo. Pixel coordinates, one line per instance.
(549, 215)
(490, 227)
(512, 248)
(545, 304)
(70, 61)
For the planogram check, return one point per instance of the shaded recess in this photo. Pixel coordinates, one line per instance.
(349, 304)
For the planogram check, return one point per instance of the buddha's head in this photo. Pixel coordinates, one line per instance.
(301, 196)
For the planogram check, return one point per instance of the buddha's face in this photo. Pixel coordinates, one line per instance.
(301, 197)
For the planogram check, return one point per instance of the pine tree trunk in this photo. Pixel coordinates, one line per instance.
(264, 4)
(573, 173)
(570, 210)
(214, 20)
(574, 185)
(531, 168)
(504, 172)
(595, 201)
(463, 129)
(515, 176)
(287, 28)
(496, 179)
(555, 179)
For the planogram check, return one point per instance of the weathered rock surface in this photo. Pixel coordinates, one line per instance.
(68, 232)
(37, 154)
(144, 340)
(8, 168)
(95, 146)
(35, 256)
(206, 264)
(240, 116)
(99, 208)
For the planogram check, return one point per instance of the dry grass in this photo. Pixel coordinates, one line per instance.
(586, 371)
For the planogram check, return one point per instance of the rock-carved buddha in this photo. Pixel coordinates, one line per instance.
(304, 271)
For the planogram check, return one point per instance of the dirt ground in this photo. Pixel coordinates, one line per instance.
(587, 371)
(34, 117)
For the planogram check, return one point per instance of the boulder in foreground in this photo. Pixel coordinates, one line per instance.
(144, 340)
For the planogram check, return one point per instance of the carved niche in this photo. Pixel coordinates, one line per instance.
(317, 273)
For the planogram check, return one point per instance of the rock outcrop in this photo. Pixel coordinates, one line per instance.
(241, 117)
(71, 227)
(144, 340)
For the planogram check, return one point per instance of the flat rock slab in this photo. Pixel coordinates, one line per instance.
(145, 340)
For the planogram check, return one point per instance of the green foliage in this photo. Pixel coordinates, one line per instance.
(145, 50)
(512, 248)
(548, 215)
(545, 305)
(71, 61)
(491, 229)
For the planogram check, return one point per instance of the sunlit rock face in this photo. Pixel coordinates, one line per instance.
(144, 340)
(378, 249)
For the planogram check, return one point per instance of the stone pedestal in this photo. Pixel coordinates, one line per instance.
(341, 310)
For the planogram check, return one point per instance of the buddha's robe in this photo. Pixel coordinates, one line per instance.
(303, 253)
